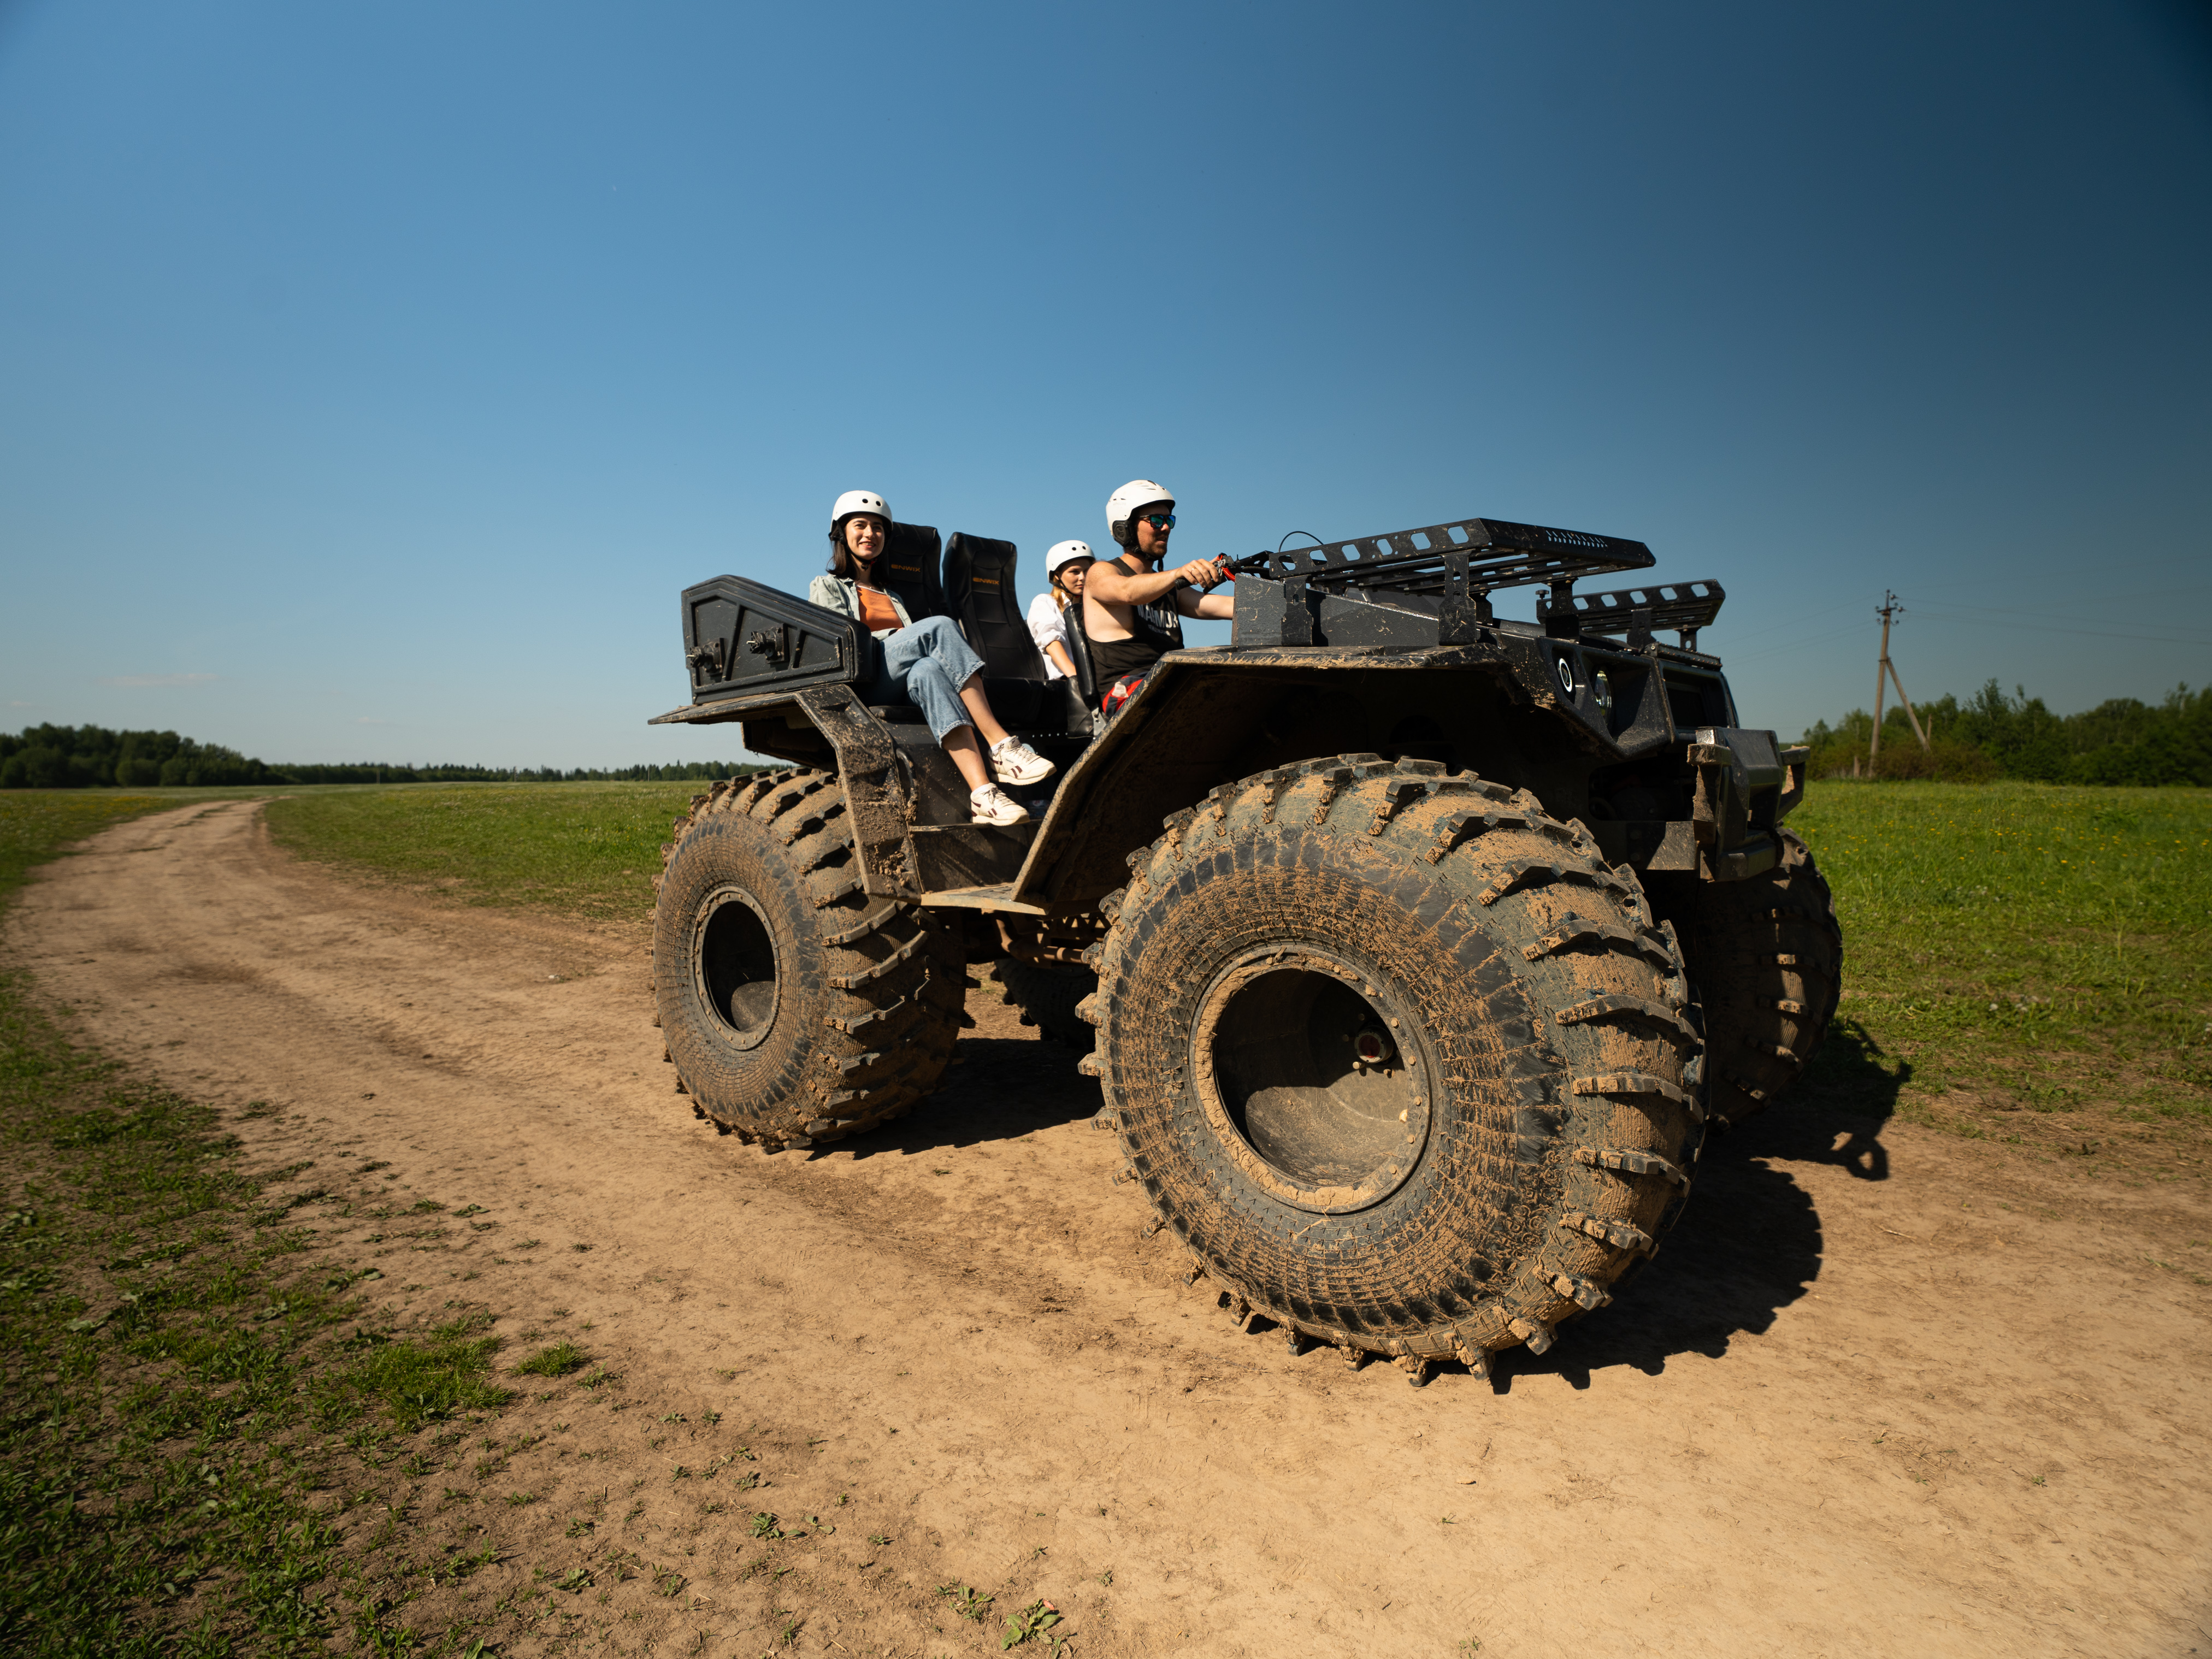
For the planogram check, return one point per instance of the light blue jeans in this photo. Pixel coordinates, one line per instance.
(926, 664)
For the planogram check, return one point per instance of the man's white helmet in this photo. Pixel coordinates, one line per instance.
(1124, 504)
(1064, 553)
(860, 501)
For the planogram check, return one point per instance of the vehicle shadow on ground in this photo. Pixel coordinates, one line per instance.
(1001, 1088)
(1748, 1244)
(1835, 1113)
(1749, 1241)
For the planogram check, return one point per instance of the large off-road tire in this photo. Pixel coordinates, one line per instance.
(1767, 958)
(1046, 994)
(1520, 1125)
(796, 1008)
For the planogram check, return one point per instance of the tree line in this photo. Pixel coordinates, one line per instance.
(1991, 735)
(92, 756)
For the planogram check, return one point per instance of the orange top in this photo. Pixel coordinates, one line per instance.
(877, 615)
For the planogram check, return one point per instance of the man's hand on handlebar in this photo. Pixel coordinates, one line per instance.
(1202, 574)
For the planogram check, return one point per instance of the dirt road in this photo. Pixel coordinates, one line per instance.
(1883, 1392)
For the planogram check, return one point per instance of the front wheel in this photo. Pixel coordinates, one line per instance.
(1401, 1061)
(1767, 956)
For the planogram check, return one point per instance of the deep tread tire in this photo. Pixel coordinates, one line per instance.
(868, 997)
(1767, 956)
(1547, 1015)
(1046, 994)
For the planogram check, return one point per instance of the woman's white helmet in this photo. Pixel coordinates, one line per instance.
(1065, 553)
(860, 501)
(1124, 504)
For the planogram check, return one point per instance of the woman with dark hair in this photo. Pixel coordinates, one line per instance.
(926, 663)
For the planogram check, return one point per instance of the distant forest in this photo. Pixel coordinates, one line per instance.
(1991, 735)
(91, 757)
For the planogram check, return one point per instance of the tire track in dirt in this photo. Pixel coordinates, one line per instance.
(1813, 1424)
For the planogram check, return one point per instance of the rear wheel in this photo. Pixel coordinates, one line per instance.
(1401, 1061)
(796, 1008)
(1767, 956)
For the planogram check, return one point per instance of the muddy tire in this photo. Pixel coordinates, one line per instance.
(1401, 1061)
(1767, 958)
(1046, 995)
(796, 1008)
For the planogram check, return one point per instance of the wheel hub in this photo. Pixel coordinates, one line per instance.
(1310, 1072)
(733, 965)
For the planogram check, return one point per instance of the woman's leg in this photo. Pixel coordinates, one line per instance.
(933, 659)
(936, 640)
(960, 743)
(928, 687)
(978, 705)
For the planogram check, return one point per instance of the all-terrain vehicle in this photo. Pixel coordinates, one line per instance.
(1421, 946)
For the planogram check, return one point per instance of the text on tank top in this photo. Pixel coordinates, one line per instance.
(1155, 629)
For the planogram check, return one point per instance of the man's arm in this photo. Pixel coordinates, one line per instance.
(1222, 607)
(1110, 580)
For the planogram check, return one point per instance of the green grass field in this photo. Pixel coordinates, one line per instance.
(2029, 963)
(583, 849)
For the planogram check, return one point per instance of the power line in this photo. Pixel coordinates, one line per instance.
(2087, 599)
(1791, 645)
(1988, 620)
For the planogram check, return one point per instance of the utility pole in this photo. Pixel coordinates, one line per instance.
(1886, 670)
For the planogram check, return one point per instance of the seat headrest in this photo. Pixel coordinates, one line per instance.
(910, 568)
(979, 591)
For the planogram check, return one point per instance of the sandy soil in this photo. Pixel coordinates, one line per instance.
(1883, 1392)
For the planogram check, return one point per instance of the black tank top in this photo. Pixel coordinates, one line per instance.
(1157, 631)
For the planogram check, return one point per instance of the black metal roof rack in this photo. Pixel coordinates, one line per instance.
(1474, 556)
(1633, 612)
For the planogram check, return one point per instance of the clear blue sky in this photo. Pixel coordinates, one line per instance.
(373, 377)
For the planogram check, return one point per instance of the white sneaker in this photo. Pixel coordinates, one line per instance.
(990, 804)
(1015, 762)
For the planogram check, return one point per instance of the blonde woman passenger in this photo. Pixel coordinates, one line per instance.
(1050, 612)
(925, 662)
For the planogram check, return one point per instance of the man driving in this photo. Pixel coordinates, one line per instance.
(1133, 607)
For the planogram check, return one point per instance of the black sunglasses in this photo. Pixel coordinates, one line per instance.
(1160, 520)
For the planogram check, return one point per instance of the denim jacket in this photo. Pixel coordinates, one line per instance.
(843, 594)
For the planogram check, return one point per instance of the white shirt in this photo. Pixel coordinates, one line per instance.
(1049, 624)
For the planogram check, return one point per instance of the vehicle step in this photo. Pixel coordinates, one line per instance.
(998, 897)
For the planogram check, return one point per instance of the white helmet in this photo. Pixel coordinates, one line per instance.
(860, 501)
(1122, 505)
(1065, 553)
